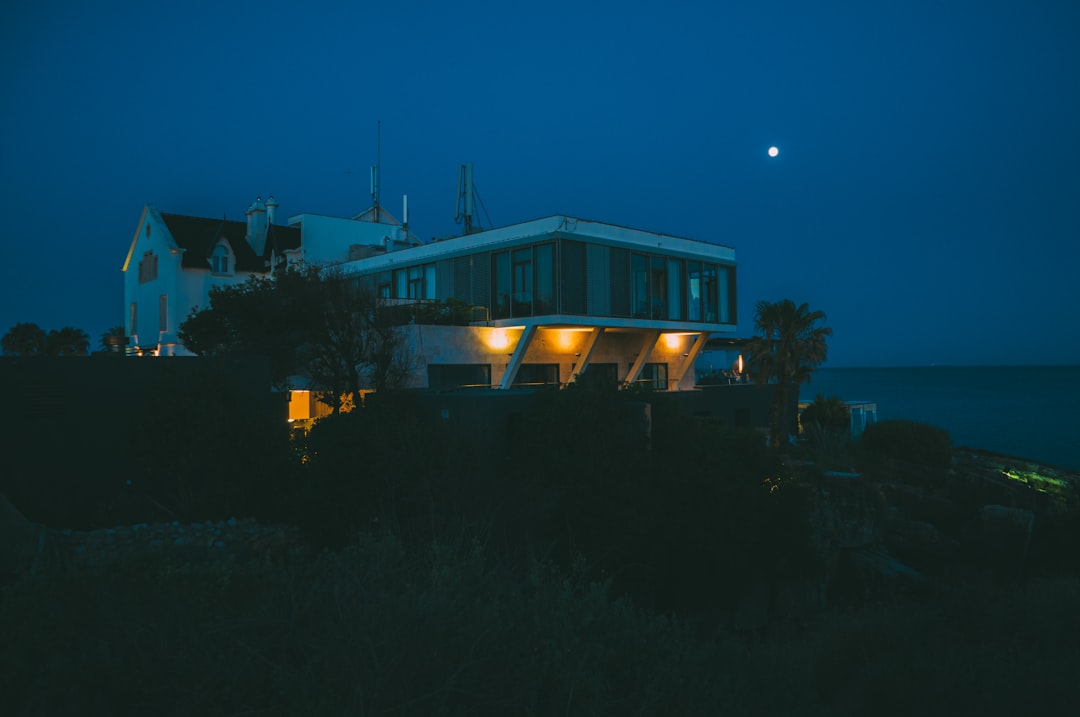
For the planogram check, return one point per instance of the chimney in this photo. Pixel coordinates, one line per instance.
(256, 231)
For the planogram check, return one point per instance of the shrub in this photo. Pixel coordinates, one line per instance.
(910, 442)
(827, 413)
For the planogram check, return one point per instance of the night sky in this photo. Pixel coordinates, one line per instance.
(926, 195)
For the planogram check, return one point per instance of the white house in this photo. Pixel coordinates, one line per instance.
(174, 260)
(548, 299)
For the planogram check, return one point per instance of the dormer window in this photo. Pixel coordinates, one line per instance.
(220, 260)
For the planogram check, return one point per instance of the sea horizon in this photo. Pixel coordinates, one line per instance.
(1026, 411)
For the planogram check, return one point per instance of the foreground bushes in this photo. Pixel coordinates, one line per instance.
(909, 441)
(451, 629)
(376, 628)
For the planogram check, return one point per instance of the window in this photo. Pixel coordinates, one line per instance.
(522, 273)
(709, 292)
(533, 375)
(134, 318)
(544, 297)
(416, 282)
(429, 281)
(675, 292)
(163, 313)
(601, 374)
(573, 289)
(693, 290)
(639, 284)
(148, 266)
(724, 293)
(462, 375)
(219, 260)
(654, 376)
(500, 285)
(658, 286)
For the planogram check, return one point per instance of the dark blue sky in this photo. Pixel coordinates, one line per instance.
(926, 195)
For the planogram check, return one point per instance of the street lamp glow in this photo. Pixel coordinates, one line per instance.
(773, 151)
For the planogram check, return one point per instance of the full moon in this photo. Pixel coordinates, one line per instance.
(773, 151)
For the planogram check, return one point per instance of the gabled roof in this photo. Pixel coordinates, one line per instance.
(198, 236)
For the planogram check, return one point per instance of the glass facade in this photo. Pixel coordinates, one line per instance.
(571, 277)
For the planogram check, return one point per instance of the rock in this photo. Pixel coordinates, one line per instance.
(1004, 538)
(19, 540)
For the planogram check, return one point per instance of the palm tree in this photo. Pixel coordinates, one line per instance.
(67, 342)
(24, 339)
(790, 344)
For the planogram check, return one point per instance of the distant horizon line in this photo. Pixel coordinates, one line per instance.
(955, 365)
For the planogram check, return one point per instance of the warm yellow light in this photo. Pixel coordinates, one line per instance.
(498, 340)
(672, 341)
(299, 405)
(564, 339)
(740, 363)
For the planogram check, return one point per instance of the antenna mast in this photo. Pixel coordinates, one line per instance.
(375, 171)
(466, 192)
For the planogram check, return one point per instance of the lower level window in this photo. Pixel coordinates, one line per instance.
(533, 375)
(654, 376)
(459, 375)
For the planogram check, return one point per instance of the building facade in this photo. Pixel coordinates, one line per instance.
(175, 260)
(554, 299)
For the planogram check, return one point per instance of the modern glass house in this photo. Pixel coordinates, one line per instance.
(554, 298)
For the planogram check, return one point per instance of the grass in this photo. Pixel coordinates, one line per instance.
(450, 629)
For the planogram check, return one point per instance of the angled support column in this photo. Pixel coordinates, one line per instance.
(643, 356)
(586, 352)
(519, 353)
(688, 361)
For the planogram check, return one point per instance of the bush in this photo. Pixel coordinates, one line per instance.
(829, 414)
(910, 442)
(379, 628)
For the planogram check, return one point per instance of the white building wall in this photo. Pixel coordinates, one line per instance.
(494, 346)
(327, 240)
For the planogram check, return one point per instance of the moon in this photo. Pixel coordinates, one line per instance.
(773, 151)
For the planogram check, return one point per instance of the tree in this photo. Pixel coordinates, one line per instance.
(67, 342)
(790, 344)
(27, 339)
(331, 328)
(24, 339)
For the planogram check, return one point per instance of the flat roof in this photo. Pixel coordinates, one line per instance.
(525, 232)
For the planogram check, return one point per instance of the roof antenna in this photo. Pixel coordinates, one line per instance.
(375, 171)
(468, 198)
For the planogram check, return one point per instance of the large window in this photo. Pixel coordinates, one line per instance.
(163, 312)
(416, 282)
(459, 375)
(500, 285)
(544, 297)
(639, 285)
(524, 282)
(522, 273)
(148, 266)
(533, 375)
(601, 374)
(654, 376)
(693, 290)
(658, 286)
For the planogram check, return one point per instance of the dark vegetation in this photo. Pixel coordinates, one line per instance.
(607, 560)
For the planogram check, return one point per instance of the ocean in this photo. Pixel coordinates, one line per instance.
(1029, 412)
